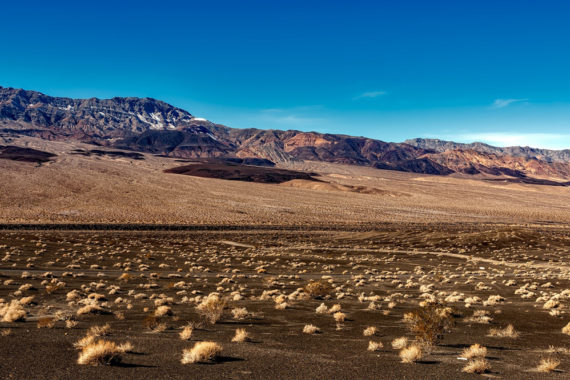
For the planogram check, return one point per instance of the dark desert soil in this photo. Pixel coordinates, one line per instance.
(16, 153)
(239, 172)
(379, 261)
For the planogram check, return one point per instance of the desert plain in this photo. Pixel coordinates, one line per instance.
(361, 273)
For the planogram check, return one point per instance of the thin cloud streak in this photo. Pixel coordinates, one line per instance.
(502, 103)
(370, 95)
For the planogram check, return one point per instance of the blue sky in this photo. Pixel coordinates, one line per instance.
(493, 71)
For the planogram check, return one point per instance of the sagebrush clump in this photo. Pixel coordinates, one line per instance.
(201, 352)
(212, 307)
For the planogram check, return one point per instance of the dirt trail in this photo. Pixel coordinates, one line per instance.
(558, 266)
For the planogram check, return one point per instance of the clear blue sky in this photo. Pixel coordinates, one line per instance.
(497, 71)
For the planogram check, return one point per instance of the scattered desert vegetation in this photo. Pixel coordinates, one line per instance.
(399, 343)
(211, 307)
(241, 336)
(474, 351)
(100, 352)
(507, 332)
(428, 323)
(363, 291)
(548, 365)
(477, 366)
(311, 329)
(375, 346)
(566, 329)
(186, 332)
(411, 353)
(201, 352)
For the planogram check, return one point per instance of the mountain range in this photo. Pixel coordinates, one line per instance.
(152, 126)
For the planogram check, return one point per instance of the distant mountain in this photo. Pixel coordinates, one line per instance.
(474, 162)
(152, 126)
(548, 155)
(89, 118)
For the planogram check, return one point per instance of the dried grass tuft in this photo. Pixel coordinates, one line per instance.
(241, 336)
(411, 354)
(201, 352)
(474, 351)
(100, 353)
(478, 366)
(547, 365)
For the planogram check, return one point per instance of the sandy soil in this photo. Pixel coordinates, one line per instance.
(75, 188)
(380, 244)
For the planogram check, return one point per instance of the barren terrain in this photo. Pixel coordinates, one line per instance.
(375, 276)
(326, 277)
(75, 188)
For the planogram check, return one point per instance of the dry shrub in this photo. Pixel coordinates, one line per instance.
(71, 323)
(84, 342)
(318, 289)
(52, 288)
(100, 353)
(186, 332)
(369, 331)
(399, 343)
(474, 351)
(334, 308)
(99, 330)
(24, 301)
(281, 306)
(91, 309)
(162, 311)
(241, 336)
(429, 323)
(375, 346)
(547, 365)
(46, 323)
(311, 329)
(126, 347)
(240, 313)
(5, 332)
(507, 332)
(201, 352)
(480, 316)
(73, 295)
(566, 329)
(322, 309)
(411, 354)
(12, 312)
(212, 307)
(478, 366)
(558, 350)
(339, 317)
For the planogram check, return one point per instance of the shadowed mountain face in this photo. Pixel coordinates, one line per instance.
(152, 126)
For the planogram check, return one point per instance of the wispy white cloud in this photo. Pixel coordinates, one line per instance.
(502, 103)
(535, 140)
(295, 117)
(370, 94)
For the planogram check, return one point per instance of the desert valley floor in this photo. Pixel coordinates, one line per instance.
(328, 278)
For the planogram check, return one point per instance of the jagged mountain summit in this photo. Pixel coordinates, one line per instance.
(153, 126)
(89, 118)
